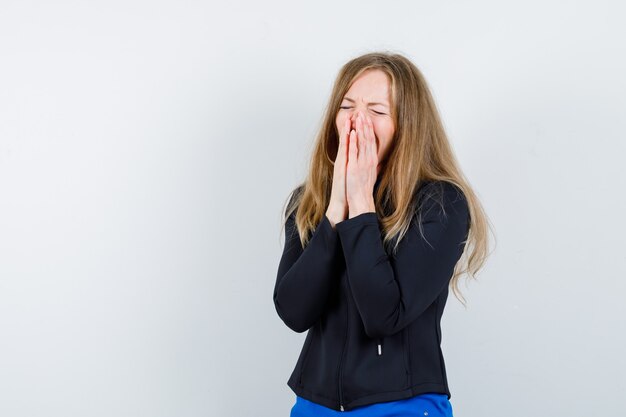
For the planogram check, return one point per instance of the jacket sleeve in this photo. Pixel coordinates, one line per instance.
(391, 291)
(306, 276)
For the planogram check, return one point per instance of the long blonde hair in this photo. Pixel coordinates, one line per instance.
(419, 152)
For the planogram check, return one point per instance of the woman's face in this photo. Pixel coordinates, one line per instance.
(370, 94)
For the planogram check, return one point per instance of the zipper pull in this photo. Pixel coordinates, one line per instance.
(380, 348)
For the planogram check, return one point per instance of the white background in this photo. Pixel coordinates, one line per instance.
(147, 148)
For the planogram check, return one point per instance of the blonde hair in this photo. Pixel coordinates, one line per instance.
(419, 152)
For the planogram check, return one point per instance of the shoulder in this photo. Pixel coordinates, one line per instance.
(441, 197)
(433, 189)
(293, 200)
(294, 195)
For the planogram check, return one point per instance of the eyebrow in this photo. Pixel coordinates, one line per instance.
(372, 103)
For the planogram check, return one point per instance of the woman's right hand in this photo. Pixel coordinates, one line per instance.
(338, 206)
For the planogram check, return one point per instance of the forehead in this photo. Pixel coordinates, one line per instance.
(372, 87)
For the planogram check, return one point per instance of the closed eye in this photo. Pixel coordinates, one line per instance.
(348, 107)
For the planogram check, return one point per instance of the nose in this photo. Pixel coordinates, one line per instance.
(353, 115)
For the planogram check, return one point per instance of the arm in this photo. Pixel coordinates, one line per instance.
(390, 292)
(305, 276)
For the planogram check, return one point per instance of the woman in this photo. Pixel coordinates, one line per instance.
(373, 239)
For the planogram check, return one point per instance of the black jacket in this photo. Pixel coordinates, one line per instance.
(373, 319)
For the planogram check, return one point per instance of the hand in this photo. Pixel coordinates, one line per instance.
(361, 170)
(338, 206)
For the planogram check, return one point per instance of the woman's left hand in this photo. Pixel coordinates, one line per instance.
(361, 171)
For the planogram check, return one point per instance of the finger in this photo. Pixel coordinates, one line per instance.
(352, 147)
(365, 137)
(342, 148)
(367, 140)
(362, 142)
(371, 124)
(343, 136)
(371, 138)
(362, 139)
(342, 131)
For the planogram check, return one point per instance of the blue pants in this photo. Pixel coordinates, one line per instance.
(423, 405)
